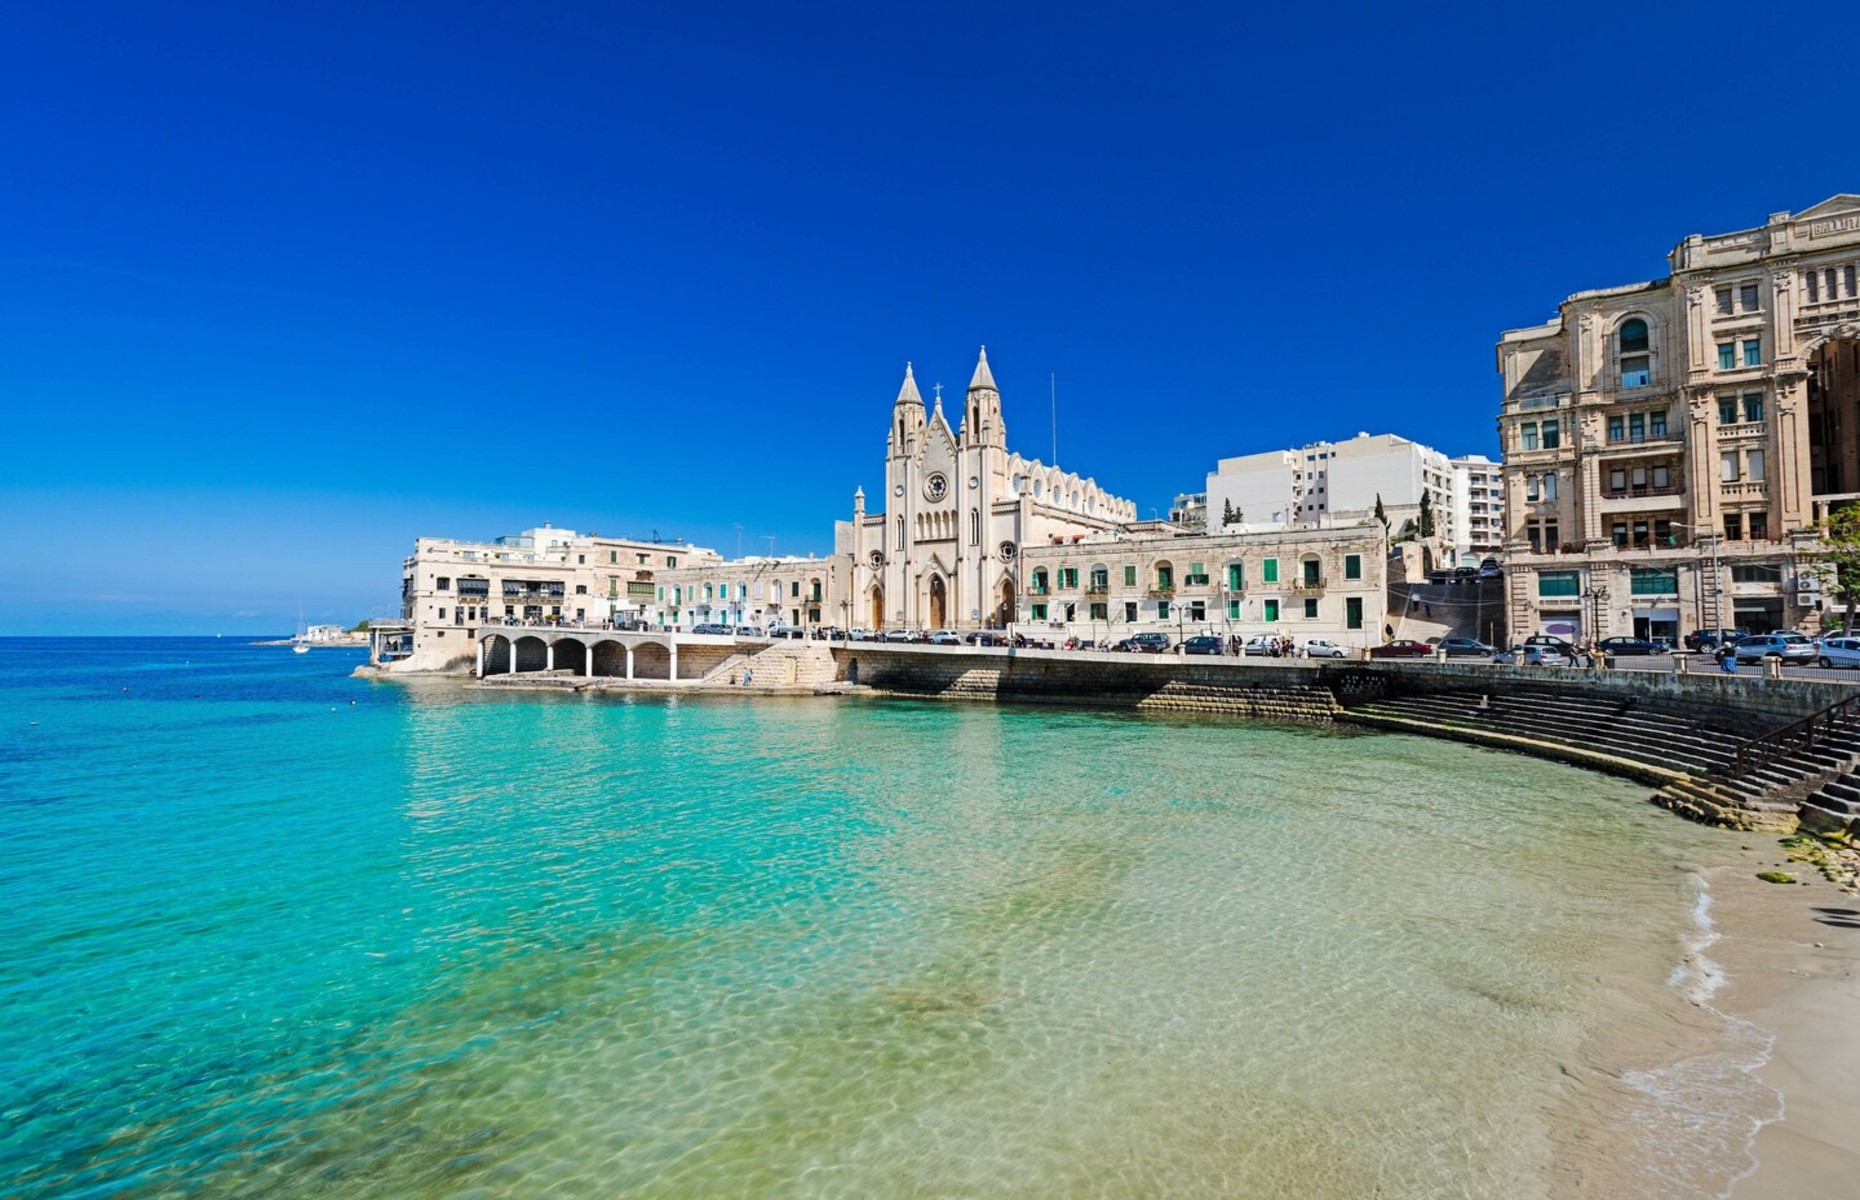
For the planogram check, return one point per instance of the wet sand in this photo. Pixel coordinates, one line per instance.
(1791, 957)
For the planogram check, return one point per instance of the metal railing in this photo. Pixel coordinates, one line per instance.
(1801, 735)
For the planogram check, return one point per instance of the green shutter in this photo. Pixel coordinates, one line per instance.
(1352, 566)
(1269, 570)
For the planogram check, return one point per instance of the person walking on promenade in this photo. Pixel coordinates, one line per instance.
(1727, 660)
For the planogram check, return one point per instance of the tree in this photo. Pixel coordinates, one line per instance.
(1381, 515)
(1228, 516)
(1837, 558)
(1426, 526)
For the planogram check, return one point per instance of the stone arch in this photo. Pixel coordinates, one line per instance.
(878, 607)
(1005, 607)
(532, 653)
(496, 654)
(609, 658)
(1162, 575)
(571, 655)
(652, 660)
(939, 602)
(1616, 350)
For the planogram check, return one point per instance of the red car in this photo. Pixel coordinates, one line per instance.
(1402, 648)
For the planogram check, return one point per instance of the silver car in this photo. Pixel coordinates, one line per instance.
(1790, 647)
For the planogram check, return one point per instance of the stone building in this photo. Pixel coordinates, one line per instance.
(545, 576)
(1328, 583)
(960, 509)
(756, 591)
(1669, 445)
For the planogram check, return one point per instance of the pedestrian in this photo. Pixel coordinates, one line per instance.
(1727, 659)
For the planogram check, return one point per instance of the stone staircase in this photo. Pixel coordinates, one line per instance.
(1835, 807)
(790, 663)
(1695, 764)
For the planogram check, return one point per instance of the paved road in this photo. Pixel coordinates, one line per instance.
(1700, 664)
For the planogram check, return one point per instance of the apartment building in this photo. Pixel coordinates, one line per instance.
(1669, 445)
(1329, 484)
(1478, 508)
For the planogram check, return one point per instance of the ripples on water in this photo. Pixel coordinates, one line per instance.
(262, 941)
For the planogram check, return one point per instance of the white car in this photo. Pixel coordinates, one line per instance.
(945, 637)
(1840, 651)
(1319, 648)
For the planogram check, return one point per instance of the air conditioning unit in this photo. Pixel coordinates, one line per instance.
(1806, 599)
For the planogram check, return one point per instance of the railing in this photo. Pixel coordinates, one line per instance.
(1098, 589)
(1641, 439)
(1742, 429)
(1308, 585)
(1534, 403)
(1162, 589)
(1802, 735)
(1676, 489)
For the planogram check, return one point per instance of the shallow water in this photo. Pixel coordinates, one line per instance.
(263, 941)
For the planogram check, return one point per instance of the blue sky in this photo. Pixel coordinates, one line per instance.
(658, 267)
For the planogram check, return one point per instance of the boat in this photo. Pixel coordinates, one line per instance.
(300, 644)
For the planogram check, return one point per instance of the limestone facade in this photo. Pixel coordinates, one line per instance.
(960, 511)
(1328, 583)
(1669, 445)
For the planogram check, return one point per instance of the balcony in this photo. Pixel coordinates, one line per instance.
(1097, 589)
(1745, 429)
(1309, 586)
(1676, 489)
(1641, 439)
(1162, 591)
(1749, 488)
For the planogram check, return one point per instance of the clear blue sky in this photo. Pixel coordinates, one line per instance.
(659, 267)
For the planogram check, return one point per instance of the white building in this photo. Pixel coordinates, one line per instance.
(1332, 484)
(1478, 508)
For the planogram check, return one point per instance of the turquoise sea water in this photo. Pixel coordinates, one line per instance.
(272, 931)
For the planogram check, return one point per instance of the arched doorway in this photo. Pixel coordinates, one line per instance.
(878, 608)
(939, 602)
(1004, 612)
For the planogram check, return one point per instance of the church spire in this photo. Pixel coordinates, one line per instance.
(981, 418)
(983, 379)
(907, 415)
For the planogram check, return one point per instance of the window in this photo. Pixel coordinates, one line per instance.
(1162, 610)
(1617, 479)
(1353, 612)
(1552, 439)
(794, 591)
(1747, 297)
(671, 560)
(1099, 609)
(1637, 426)
(1311, 608)
(1759, 526)
(1310, 568)
(1617, 428)
(1662, 476)
(1038, 584)
(581, 589)
(1727, 410)
(1069, 578)
(1165, 578)
(1130, 610)
(1271, 610)
(1756, 573)
(1130, 577)
(613, 556)
(1734, 527)
(1101, 579)
(443, 583)
(1656, 423)
(1527, 436)
(1557, 583)
(1848, 271)
(1653, 583)
(1233, 610)
(1724, 302)
(1813, 281)
(1753, 461)
(1037, 612)
(1753, 406)
(1634, 336)
(1236, 577)
(1269, 571)
(1352, 566)
(1753, 352)
(1727, 466)
(1727, 355)
(1636, 370)
(1197, 575)
(442, 613)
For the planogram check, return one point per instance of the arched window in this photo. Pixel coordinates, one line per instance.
(1636, 366)
(975, 527)
(1038, 584)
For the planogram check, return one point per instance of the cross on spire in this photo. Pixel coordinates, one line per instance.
(939, 393)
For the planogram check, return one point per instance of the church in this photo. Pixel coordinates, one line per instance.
(959, 507)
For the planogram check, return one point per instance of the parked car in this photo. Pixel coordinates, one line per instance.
(1144, 643)
(1561, 645)
(1205, 643)
(945, 637)
(1320, 648)
(1402, 648)
(1531, 656)
(1263, 646)
(899, 635)
(1840, 650)
(986, 637)
(862, 635)
(787, 631)
(1465, 575)
(1458, 647)
(1788, 646)
(1439, 576)
(1490, 569)
(1711, 639)
(1629, 647)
